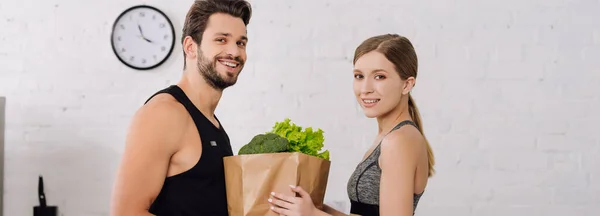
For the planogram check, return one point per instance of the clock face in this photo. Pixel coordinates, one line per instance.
(143, 37)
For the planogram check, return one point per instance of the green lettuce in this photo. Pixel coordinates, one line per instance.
(307, 141)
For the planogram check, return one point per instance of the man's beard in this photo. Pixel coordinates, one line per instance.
(207, 69)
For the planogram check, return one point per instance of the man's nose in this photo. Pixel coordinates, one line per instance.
(233, 50)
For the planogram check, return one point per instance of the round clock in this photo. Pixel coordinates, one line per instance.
(143, 37)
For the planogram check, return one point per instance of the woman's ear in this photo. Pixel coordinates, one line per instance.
(408, 85)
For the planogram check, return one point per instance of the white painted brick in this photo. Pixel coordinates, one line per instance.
(508, 92)
(576, 196)
(515, 196)
(424, 209)
(498, 210)
(460, 142)
(513, 160)
(518, 141)
(490, 179)
(456, 196)
(561, 143)
(564, 178)
(474, 160)
(571, 210)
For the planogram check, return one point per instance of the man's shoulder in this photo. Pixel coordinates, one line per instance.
(160, 123)
(163, 109)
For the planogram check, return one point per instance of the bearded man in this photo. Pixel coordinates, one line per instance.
(173, 158)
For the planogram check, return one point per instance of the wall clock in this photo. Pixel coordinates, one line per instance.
(143, 37)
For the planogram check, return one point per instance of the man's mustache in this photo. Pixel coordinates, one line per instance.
(229, 57)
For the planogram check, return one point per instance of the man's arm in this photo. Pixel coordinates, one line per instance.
(400, 151)
(152, 139)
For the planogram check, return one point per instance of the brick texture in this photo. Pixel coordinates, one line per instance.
(508, 90)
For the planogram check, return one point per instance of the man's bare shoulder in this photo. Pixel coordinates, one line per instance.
(163, 107)
(162, 119)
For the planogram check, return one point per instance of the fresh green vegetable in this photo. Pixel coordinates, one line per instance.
(307, 141)
(265, 143)
(286, 136)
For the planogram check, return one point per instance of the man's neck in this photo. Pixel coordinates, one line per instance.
(202, 95)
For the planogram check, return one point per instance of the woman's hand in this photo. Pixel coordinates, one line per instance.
(291, 205)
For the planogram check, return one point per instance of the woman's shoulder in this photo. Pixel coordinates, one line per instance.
(402, 146)
(405, 135)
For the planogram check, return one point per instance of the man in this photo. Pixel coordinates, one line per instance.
(173, 160)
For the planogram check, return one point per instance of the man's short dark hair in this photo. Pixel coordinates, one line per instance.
(197, 17)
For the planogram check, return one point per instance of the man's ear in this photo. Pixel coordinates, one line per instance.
(189, 47)
(408, 85)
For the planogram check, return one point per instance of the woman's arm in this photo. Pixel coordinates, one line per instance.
(400, 151)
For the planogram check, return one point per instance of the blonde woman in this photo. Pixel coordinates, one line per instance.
(394, 172)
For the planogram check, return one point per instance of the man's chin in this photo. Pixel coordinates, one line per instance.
(231, 76)
(231, 81)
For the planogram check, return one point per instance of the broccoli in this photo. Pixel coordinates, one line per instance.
(265, 143)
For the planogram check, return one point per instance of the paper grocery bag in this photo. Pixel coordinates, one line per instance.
(251, 178)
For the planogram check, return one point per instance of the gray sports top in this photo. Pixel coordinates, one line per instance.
(363, 186)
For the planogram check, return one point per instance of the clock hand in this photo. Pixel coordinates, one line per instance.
(146, 39)
(142, 34)
(140, 28)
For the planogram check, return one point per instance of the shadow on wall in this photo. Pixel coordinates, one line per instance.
(342, 206)
(77, 178)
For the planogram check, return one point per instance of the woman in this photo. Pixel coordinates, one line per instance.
(394, 172)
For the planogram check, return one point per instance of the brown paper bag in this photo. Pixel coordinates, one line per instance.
(251, 178)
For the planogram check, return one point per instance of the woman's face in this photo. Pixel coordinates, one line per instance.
(377, 85)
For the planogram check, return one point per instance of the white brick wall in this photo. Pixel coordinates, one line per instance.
(509, 92)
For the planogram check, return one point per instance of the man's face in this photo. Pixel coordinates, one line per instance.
(222, 52)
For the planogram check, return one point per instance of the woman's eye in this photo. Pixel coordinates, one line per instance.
(379, 77)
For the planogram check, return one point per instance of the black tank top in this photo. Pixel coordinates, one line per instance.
(199, 191)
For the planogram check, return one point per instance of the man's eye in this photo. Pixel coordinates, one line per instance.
(358, 76)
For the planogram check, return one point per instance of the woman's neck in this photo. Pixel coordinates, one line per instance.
(388, 121)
